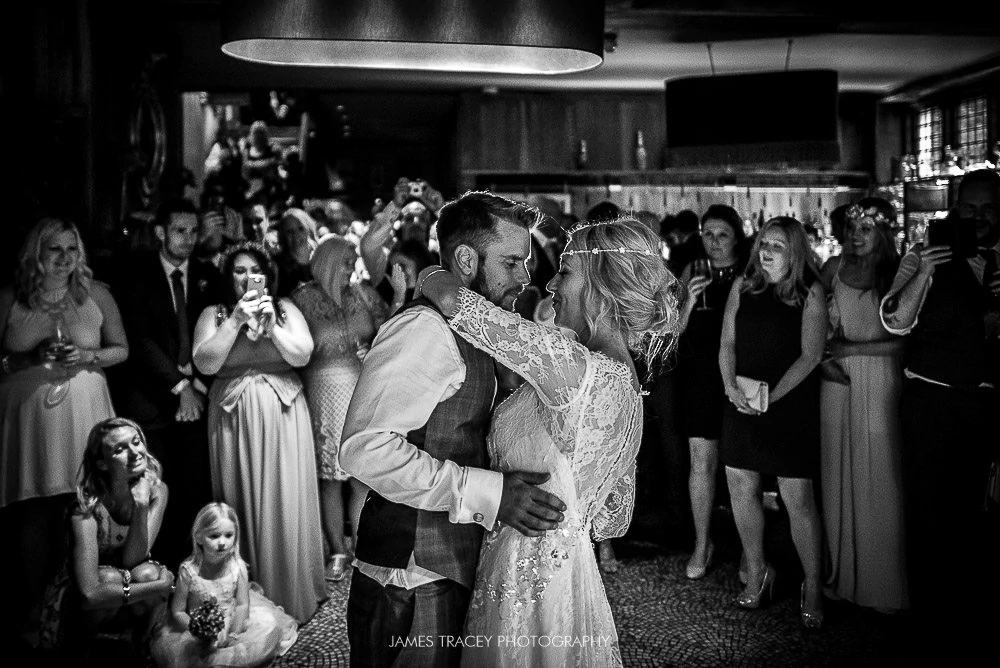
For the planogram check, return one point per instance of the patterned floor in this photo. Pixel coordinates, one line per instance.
(666, 620)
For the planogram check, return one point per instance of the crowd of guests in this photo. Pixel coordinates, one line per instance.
(861, 389)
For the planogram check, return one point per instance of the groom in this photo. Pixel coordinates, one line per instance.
(416, 434)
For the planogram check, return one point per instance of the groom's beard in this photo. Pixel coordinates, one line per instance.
(504, 299)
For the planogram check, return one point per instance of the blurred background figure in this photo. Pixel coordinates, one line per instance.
(297, 240)
(681, 236)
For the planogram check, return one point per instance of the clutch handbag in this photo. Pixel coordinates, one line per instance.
(755, 391)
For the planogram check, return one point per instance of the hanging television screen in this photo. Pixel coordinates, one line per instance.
(772, 118)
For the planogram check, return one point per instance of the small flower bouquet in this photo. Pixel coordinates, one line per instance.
(207, 621)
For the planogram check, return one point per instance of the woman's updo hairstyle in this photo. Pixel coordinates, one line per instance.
(627, 284)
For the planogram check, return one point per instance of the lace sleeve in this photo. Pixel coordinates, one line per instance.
(553, 364)
(613, 519)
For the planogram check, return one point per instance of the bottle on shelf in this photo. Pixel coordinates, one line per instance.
(581, 154)
(640, 151)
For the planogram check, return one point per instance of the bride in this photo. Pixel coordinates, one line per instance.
(540, 601)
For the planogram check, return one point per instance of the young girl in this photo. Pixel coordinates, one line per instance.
(255, 630)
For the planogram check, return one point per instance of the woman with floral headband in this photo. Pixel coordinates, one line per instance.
(860, 432)
(579, 418)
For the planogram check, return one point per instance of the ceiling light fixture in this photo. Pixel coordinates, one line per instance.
(511, 37)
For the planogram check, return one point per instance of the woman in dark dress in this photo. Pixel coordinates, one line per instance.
(702, 393)
(774, 330)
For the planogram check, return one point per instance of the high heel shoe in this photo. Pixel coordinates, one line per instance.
(696, 572)
(753, 600)
(812, 621)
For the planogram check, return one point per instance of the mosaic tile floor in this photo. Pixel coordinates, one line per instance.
(666, 620)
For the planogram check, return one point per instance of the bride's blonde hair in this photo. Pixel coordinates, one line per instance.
(628, 286)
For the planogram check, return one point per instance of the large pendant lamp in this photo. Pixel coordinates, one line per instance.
(492, 36)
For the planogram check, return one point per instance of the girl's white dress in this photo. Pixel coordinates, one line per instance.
(540, 601)
(269, 633)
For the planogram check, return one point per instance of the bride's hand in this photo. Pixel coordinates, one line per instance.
(440, 286)
(524, 506)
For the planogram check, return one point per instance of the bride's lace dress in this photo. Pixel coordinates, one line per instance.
(540, 601)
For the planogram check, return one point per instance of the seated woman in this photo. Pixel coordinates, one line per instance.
(111, 581)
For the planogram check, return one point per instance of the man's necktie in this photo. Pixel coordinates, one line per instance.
(184, 336)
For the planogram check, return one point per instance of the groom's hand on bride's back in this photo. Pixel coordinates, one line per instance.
(524, 506)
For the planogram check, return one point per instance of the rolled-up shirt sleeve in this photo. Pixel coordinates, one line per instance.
(414, 364)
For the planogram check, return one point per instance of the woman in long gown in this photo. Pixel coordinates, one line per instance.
(579, 418)
(343, 319)
(58, 330)
(260, 435)
(861, 442)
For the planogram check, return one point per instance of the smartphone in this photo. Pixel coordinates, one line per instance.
(392, 211)
(958, 233)
(256, 282)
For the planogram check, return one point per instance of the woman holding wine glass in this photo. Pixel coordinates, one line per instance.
(709, 280)
(58, 329)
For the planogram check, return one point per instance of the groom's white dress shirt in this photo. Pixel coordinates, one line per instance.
(414, 364)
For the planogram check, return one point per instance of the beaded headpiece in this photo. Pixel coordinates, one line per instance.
(597, 251)
(873, 213)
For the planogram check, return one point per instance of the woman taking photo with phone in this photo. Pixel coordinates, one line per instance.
(773, 332)
(260, 435)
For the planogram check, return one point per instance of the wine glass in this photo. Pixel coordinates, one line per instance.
(703, 267)
(59, 344)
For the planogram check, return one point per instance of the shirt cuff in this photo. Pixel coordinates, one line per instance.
(480, 499)
(179, 387)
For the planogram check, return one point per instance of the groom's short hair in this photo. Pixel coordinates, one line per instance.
(472, 220)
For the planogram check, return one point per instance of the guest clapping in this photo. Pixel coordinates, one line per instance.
(773, 332)
(260, 436)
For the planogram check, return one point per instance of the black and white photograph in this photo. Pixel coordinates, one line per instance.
(456, 333)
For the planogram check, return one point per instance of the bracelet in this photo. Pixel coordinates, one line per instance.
(95, 360)
(5, 363)
(126, 585)
(420, 287)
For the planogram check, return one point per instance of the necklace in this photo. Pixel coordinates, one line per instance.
(123, 511)
(55, 300)
(724, 273)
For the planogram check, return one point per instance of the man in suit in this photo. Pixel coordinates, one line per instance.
(161, 296)
(416, 434)
(946, 298)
